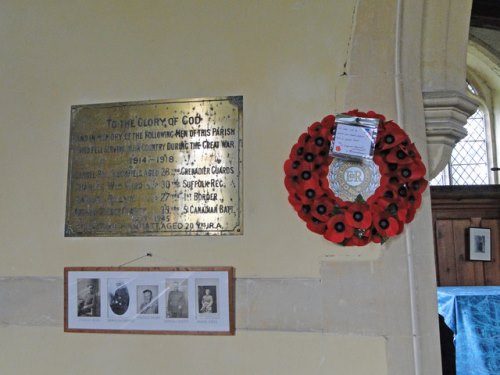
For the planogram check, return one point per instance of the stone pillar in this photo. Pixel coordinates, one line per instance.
(387, 68)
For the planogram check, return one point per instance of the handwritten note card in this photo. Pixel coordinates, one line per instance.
(354, 138)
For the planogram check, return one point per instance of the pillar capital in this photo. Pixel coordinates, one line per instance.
(446, 113)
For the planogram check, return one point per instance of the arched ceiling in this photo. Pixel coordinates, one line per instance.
(485, 24)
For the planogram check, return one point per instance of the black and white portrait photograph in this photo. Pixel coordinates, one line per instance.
(147, 299)
(207, 298)
(479, 244)
(177, 298)
(89, 301)
(118, 297)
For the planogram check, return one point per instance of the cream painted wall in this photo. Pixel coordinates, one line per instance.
(248, 353)
(284, 57)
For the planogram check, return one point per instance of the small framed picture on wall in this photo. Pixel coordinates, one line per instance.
(480, 244)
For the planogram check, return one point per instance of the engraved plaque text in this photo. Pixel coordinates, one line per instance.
(161, 168)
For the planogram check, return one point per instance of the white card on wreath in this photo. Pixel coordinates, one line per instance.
(354, 138)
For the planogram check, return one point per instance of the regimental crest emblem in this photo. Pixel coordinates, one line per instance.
(350, 178)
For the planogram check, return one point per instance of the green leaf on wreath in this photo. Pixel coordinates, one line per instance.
(359, 199)
(336, 211)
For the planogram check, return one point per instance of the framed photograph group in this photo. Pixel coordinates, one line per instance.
(480, 244)
(190, 300)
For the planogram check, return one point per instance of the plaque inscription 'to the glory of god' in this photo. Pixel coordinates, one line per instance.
(156, 168)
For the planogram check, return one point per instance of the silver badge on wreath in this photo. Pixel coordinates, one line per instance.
(350, 178)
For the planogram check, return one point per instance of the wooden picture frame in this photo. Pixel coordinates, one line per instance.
(480, 244)
(149, 300)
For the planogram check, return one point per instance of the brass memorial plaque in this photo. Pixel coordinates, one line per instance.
(156, 168)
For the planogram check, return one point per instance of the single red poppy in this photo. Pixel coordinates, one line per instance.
(406, 173)
(291, 167)
(389, 194)
(322, 209)
(310, 190)
(298, 148)
(328, 124)
(414, 200)
(385, 168)
(337, 230)
(358, 215)
(311, 155)
(314, 129)
(418, 186)
(315, 153)
(385, 224)
(399, 155)
(316, 226)
(390, 180)
(304, 212)
(382, 192)
(390, 136)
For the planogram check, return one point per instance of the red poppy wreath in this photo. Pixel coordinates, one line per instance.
(396, 179)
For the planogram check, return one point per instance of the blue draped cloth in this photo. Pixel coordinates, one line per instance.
(473, 314)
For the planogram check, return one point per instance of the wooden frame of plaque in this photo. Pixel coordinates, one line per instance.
(156, 168)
